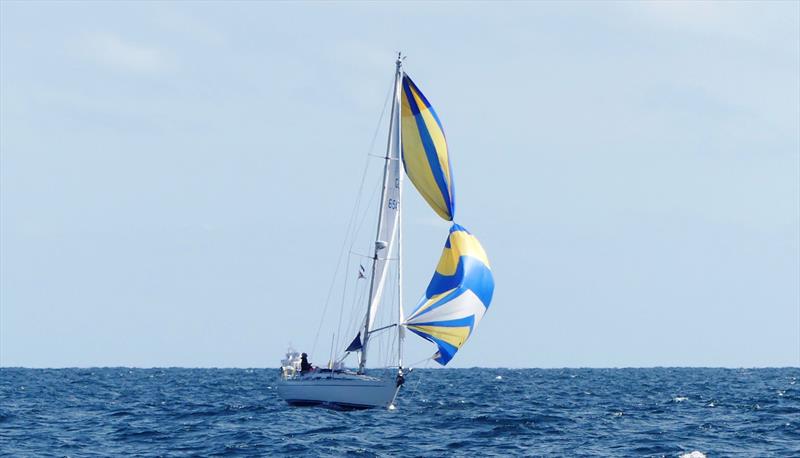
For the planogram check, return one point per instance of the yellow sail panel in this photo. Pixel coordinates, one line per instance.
(425, 156)
(457, 296)
(453, 335)
(467, 245)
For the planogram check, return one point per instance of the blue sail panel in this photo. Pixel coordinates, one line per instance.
(456, 298)
(355, 345)
(425, 155)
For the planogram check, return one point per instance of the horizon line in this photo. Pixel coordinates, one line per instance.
(415, 368)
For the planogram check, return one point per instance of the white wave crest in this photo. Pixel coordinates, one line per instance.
(694, 454)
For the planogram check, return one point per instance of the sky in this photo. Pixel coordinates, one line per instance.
(176, 178)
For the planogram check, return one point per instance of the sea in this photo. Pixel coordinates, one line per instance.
(658, 412)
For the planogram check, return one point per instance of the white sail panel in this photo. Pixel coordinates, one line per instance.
(387, 232)
(457, 297)
(388, 219)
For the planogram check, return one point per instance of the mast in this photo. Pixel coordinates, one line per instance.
(400, 330)
(394, 123)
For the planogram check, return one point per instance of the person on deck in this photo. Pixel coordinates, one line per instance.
(305, 366)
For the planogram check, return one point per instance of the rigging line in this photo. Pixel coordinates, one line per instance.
(338, 266)
(426, 361)
(389, 313)
(360, 254)
(359, 294)
(339, 260)
(352, 218)
(383, 328)
(369, 153)
(341, 311)
(352, 229)
(384, 157)
(396, 300)
(372, 257)
(358, 297)
(366, 213)
(355, 253)
(380, 349)
(357, 229)
(419, 379)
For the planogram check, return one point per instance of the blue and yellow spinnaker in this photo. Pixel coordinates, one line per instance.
(425, 155)
(457, 297)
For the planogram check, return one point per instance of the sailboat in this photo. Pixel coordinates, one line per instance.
(457, 296)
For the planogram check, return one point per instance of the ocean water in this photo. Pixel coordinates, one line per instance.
(460, 412)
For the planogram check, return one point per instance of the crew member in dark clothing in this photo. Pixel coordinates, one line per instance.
(305, 366)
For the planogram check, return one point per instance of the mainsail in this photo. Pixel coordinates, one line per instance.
(425, 155)
(457, 297)
(387, 230)
(388, 218)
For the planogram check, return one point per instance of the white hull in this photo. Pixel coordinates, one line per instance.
(348, 391)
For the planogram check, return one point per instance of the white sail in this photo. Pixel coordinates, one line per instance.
(388, 219)
(385, 246)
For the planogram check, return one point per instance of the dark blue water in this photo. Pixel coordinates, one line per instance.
(463, 412)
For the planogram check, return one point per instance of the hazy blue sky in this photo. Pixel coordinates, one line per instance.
(176, 177)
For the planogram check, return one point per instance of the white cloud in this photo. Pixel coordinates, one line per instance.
(112, 51)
